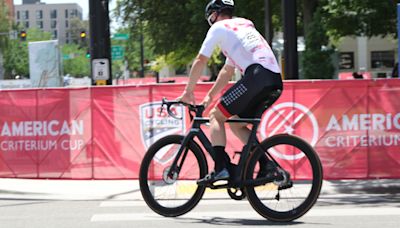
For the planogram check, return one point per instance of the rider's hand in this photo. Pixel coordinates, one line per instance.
(207, 101)
(187, 97)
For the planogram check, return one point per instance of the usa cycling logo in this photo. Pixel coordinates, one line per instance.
(155, 123)
(290, 118)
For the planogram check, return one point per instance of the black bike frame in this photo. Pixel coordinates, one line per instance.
(196, 131)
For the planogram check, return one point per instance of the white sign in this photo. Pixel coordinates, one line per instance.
(101, 69)
(44, 64)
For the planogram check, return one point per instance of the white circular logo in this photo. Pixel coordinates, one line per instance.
(284, 118)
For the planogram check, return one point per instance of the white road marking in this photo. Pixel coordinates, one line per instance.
(315, 212)
(140, 203)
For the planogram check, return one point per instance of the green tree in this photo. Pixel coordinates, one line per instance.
(177, 28)
(16, 60)
(325, 21)
(132, 49)
(5, 26)
(360, 17)
(76, 26)
(16, 53)
(316, 61)
(75, 62)
(172, 28)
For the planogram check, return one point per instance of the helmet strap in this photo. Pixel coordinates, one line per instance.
(209, 19)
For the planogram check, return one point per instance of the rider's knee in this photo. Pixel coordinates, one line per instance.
(237, 127)
(217, 115)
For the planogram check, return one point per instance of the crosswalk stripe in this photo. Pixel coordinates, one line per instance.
(315, 212)
(140, 203)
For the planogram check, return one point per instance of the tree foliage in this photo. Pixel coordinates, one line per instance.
(75, 29)
(174, 28)
(16, 59)
(316, 61)
(360, 17)
(177, 28)
(75, 62)
(5, 24)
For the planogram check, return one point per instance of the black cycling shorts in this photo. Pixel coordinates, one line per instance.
(247, 94)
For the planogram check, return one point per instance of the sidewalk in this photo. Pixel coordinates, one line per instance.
(129, 189)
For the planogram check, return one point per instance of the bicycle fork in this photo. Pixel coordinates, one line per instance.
(184, 149)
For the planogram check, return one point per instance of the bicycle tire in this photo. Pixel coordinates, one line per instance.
(146, 184)
(268, 206)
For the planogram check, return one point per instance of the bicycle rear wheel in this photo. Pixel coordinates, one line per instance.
(175, 194)
(297, 158)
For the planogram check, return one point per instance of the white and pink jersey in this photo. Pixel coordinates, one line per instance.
(241, 43)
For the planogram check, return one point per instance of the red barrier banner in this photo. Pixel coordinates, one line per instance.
(104, 132)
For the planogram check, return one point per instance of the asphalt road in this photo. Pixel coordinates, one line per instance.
(49, 204)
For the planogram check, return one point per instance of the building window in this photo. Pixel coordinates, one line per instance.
(25, 15)
(74, 13)
(53, 24)
(39, 14)
(26, 24)
(18, 15)
(53, 14)
(66, 24)
(346, 60)
(54, 34)
(382, 59)
(39, 24)
(66, 13)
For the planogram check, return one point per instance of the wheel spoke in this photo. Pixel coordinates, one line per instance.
(304, 168)
(172, 192)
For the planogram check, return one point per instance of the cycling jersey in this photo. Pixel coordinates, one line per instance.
(241, 43)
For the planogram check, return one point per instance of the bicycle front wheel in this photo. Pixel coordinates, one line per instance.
(286, 200)
(172, 192)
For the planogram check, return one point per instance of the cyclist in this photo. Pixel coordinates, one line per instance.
(248, 51)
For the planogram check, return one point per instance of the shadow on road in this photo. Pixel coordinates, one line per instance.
(362, 192)
(237, 222)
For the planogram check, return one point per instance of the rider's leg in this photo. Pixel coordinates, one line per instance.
(218, 140)
(240, 130)
(243, 133)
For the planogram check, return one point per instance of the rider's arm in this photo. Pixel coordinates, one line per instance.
(223, 78)
(214, 36)
(195, 72)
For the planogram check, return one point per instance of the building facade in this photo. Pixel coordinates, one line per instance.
(10, 6)
(376, 55)
(53, 18)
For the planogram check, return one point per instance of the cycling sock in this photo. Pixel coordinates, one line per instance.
(265, 162)
(221, 158)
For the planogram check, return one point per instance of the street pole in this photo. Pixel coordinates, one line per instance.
(291, 67)
(268, 22)
(141, 42)
(141, 54)
(100, 50)
(398, 38)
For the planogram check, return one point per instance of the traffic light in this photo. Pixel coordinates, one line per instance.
(22, 35)
(88, 54)
(83, 35)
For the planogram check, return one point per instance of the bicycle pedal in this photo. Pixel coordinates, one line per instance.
(218, 186)
(287, 185)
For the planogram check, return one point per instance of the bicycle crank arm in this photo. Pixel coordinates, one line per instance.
(258, 181)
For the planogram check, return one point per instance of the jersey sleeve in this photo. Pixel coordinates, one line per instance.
(213, 38)
(229, 62)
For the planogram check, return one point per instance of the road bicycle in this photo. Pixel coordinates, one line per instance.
(172, 165)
